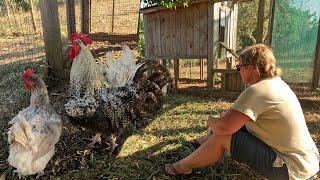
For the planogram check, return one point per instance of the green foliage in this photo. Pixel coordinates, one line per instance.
(295, 30)
(247, 22)
(167, 3)
(141, 47)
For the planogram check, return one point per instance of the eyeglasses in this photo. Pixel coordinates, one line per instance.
(241, 65)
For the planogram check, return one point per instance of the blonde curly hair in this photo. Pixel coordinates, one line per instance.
(261, 56)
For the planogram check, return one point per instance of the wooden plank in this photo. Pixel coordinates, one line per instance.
(196, 30)
(210, 48)
(167, 33)
(51, 33)
(183, 32)
(223, 82)
(201, 68)
(85, 19)
(189, 26)
(176, 73)
(152, 35)
(216, 22)
(316, 66)
(162, 34)
(146, 21)
(71, 17)
(158, 34)
(203, 23)
(234, 31)
(173, 32)
(178, 31)
(182, 57)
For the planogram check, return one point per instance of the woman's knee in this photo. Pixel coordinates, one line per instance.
(221, 140)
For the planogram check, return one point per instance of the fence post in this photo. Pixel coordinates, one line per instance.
(85, 16)
(316, 67)
(51, 33)
(71, 17)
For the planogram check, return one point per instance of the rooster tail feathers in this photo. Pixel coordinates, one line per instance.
(160, 75)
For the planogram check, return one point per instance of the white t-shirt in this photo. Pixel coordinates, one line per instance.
(277, 119)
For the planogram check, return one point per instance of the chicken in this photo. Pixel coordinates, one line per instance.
(128, 95)
(119, 107)
(34, 131)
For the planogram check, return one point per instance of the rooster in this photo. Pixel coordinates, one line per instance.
(34, 131)
(128, 96)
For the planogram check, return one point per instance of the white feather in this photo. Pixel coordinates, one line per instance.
(119, 71)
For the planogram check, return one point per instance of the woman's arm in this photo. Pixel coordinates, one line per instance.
(230, 122)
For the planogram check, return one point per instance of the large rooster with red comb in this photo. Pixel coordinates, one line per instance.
(107, 105)
(35, 130)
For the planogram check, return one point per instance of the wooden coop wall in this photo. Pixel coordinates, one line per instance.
(176, 34)
(194, 32)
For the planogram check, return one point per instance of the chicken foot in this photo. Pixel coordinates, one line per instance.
(94, 140)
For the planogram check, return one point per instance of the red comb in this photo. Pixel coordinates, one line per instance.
(74, 51)
(27, 73)
(83, 37)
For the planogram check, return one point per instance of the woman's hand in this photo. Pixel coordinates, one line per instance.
(229, 122)
(210, 122)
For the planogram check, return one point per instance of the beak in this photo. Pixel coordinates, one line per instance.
(78, 41)
(69, 44)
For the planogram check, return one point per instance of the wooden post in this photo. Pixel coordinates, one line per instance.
(7, 9)
(51, 33)
(34, 25)
(85, 16)
(176, 73)
(260, 20)
(71, 17)
(112, 20)
(213, 38)
(316, 67)
(201, 69)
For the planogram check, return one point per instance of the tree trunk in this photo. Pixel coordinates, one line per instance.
(260, 21)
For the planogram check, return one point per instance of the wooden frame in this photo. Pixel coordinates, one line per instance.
(188, 33)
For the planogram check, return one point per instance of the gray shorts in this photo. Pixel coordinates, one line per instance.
(248, 149)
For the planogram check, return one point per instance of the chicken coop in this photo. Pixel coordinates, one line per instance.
(194, 32)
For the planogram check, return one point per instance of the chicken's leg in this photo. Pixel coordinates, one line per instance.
(112, 144)
(95, 139)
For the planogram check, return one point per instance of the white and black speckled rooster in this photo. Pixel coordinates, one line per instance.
(129, 96)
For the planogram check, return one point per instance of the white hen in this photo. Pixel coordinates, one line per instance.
(34, 131)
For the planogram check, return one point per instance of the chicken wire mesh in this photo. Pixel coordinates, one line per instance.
(114, 16)
(294, 38)
(21, 47)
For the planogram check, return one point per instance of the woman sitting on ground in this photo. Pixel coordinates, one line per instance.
(265, 127)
